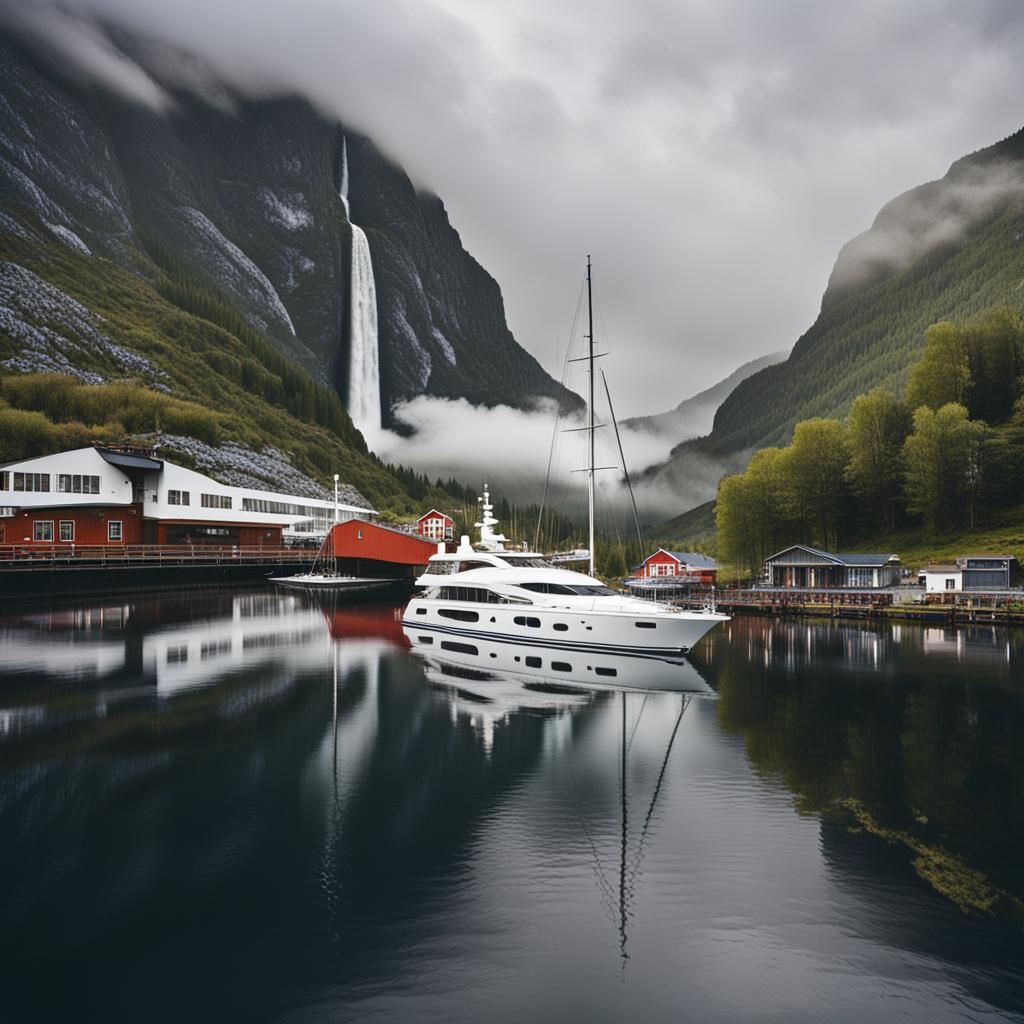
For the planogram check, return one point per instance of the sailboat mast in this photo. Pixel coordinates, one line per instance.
(590, 410)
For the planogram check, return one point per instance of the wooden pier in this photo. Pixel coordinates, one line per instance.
(39, 570)
(963, 607)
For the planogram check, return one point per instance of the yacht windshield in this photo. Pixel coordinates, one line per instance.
(583, 590)
(526, 563)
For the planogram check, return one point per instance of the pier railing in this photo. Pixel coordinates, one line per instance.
(71, 555)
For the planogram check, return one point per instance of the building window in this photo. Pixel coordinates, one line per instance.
(950, 583)
(5, 481)
(31, 481)
(114, 530)
(860, 578)
(179, 498)
(77, 483)
(215, 501)
(67, 530)
(42, 530)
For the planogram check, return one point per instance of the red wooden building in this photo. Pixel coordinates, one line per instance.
(436, 525)
(694, 567)
(363, 548)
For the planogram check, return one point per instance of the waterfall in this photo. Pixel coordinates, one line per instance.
(364, 361)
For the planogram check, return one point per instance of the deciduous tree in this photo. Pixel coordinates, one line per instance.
(878, 425)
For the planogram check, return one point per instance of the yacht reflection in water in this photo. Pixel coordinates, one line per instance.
(490, 682)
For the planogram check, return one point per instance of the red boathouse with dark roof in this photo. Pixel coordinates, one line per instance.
(363, 548)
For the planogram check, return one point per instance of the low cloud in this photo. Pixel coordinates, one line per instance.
(87, 51)
(510, 449)
(925, 218)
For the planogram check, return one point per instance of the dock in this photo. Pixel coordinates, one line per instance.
(962, 608)
(83, 569)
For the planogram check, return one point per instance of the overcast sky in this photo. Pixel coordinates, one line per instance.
(711, 156)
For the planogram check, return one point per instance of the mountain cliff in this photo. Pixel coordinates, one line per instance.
(949, 249)
(238, 202)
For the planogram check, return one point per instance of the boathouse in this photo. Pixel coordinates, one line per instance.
(370, 549)
(436, 526)
(118, 496)
(800, 566)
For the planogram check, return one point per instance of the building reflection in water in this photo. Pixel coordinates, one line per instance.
(273, 799)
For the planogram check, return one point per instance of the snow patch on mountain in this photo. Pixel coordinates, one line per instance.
(290, 211)
(445, 345)
(416, 353)
(234, 268)
(69, 238)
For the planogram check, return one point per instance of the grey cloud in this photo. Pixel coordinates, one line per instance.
(712, 157)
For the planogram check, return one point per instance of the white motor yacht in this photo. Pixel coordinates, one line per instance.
(488, 593)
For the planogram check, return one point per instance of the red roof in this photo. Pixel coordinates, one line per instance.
(434, 514)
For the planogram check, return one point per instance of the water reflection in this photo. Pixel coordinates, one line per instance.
(906, 733)
(295, 817)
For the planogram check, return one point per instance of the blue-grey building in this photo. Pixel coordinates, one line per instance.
(985, 572)
(808, 568)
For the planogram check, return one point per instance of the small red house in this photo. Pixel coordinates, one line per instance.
(694, 567)
(435, 525)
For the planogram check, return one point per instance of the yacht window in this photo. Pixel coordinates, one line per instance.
(527, 620)
(471, 563)
(592, 591)
(442, 568)
(560, 626)
(451, 645)
(426, 639)
(601, 671)
(421, 611)
(646, 625)
(459, 613)
(561, 666)
(548, 588)
(533, 662)
(475, 594)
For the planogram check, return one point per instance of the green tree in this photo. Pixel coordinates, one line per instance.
(878, 425)
(943, 374)
(751, 511)
(995, 346)
(816, 464)
(942, 465)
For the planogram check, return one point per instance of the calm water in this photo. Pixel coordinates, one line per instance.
(243, 807)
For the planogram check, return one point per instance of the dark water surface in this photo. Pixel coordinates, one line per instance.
(244, 807)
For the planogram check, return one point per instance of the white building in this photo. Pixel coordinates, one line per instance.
(108, 495)
(943, 579)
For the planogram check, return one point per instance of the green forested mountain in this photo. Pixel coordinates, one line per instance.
(942, 459)
(90, 351)
(947, 250)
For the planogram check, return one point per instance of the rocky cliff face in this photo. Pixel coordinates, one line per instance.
(244, 197)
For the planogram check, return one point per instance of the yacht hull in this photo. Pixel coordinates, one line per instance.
(653, 635)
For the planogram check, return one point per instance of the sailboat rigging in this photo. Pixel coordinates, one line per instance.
(545, 605)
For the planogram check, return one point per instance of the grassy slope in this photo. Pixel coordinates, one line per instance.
(202, 361)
